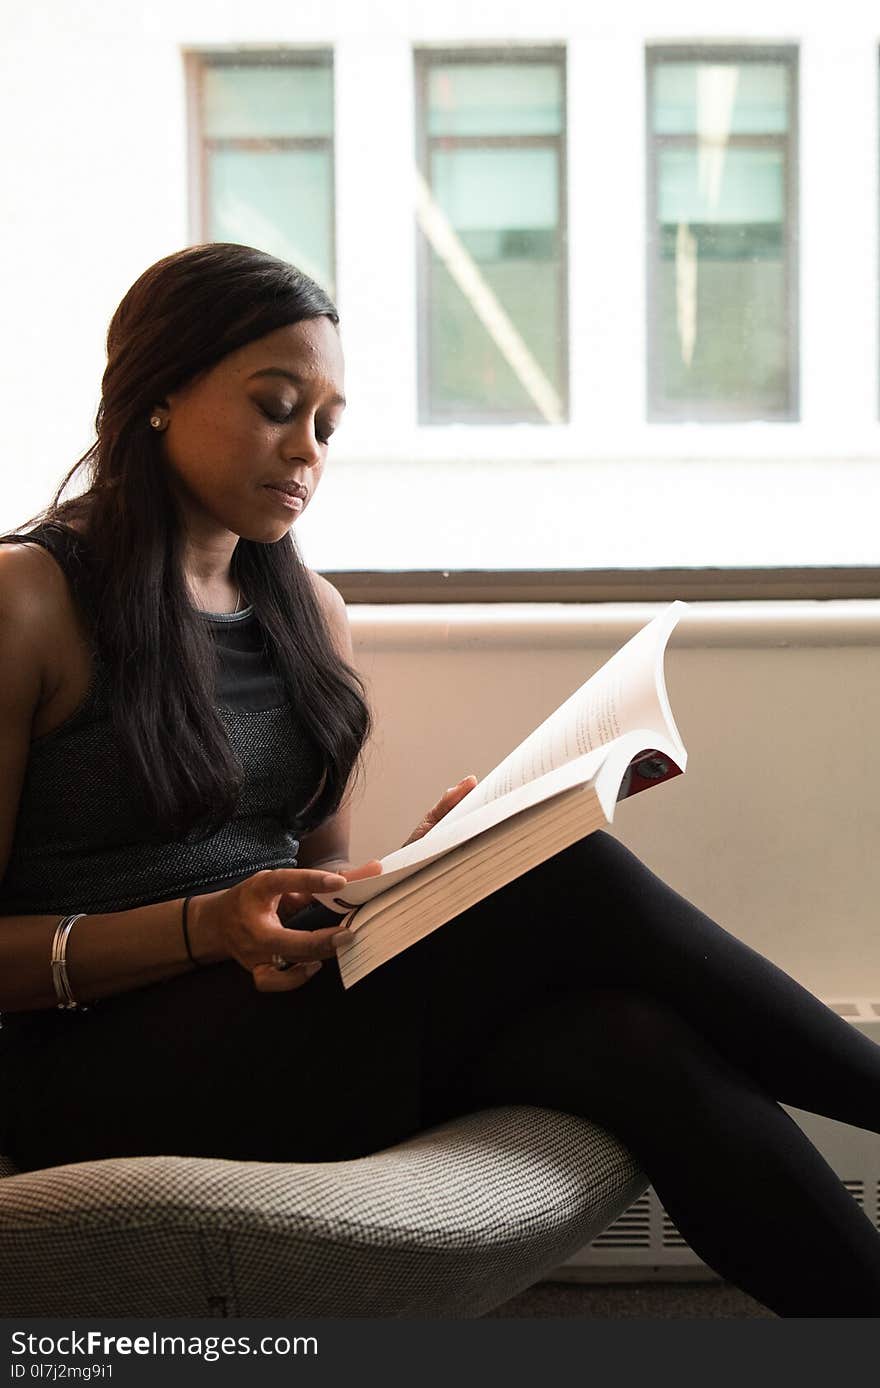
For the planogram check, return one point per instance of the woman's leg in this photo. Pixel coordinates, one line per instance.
(596, 912)
(590, 986)
(204, 1065)
(748, 1190)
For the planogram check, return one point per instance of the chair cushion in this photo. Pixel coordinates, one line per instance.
(451, 1222)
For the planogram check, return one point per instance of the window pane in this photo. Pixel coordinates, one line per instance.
(494, 99)
(729, 186)
(493, 331)
(260, 100)
(278, 200)
(752, 98)
(721, 320)
(497, 188)
(472, 375)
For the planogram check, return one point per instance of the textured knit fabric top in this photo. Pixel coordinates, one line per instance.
(77, 843)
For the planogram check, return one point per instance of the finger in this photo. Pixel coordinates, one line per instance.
(291, 902)
(420, 830)
(295, 900)
(301, 946)
(452, 796)
(447, 800)
(272, 883)
(371, 869)
(268, 979)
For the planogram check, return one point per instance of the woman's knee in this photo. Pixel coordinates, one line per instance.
(611, 1050)
(634, 1033)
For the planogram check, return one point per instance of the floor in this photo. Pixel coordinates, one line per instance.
(653, 1300)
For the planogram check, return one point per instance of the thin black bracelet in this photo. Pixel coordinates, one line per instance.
(186, 901)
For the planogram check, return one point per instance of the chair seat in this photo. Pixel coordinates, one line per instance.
(451, 1222)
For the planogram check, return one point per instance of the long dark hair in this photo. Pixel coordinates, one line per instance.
(178, 319)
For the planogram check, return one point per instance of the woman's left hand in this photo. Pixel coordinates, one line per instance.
(446, 802)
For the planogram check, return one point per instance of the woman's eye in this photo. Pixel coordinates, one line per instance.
(277, 413)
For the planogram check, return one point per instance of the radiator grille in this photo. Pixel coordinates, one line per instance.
(671, 1237)
(632, 1229)
(855, 1009)
(857, 1191)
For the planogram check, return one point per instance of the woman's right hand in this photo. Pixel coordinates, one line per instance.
(242, 923)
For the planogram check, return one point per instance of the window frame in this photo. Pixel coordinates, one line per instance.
(656, 410)
(424, 58)
(820, 583)
(196, 62)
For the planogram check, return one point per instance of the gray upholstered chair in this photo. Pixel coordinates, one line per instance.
(450, 1223)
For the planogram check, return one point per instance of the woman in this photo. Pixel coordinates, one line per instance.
(179, 721)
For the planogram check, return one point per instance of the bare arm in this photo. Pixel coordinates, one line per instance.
(106, 953)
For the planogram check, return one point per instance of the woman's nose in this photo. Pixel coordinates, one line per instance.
(303, 445)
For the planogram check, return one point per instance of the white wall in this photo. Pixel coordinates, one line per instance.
(774, 829)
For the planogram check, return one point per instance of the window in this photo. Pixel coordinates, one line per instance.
(644, 362)
(492, 261)
(722, 304)
(265, 156)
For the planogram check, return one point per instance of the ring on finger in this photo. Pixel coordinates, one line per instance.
(280, 963)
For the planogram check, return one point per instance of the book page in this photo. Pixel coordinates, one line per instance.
(626, 693)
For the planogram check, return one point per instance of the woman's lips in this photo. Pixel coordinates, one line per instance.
(287, 499)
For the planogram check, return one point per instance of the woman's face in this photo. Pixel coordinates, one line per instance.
(261, 418)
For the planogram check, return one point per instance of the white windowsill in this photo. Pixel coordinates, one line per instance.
(723, 624)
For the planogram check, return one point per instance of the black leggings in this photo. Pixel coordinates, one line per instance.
(588, 985)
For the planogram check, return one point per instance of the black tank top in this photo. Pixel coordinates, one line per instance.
(77, 844)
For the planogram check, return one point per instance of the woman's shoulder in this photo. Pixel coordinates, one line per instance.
(36, 599)
(31, 597)
(30, 577)
(329, 598)
(46, 551)
(334, 612)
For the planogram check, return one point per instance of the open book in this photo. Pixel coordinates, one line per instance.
(613, 737)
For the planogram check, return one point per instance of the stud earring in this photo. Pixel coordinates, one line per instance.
(157, 421)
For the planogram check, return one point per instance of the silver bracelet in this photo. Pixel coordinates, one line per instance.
(63, 990)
